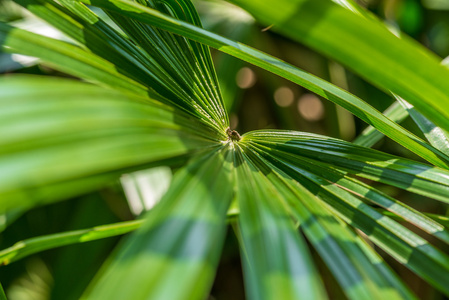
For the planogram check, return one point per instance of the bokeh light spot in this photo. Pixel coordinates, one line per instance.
(284, 96)
(310, 107)
(245, 78)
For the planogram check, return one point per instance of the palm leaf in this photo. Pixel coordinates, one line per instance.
(370, 135)
(63, 138)
(328, 91)
(9, 217)
(278, 263)
(181, 235)
(84, 141)
(437, 136)
(2, 293)
(394, 64)
(145, 188)
(352, 267)
(37, 244)
(407, 247)
(187, 81)
(368, 163)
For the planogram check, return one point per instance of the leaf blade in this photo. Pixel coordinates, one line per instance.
(266, 232)
(364, 162)
(66, 57)
(181, 235)
(350, 102)
(365, 45)
(86, 140)
(34, 245)
(361, 273)
(405, 246)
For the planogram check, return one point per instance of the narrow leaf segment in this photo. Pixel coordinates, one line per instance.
(359, 270)
(396, 64)
(277, 263)
(34, 245)
(321, 87)
(84, 137)
(171, 68)
(346, 196)
(182, 236)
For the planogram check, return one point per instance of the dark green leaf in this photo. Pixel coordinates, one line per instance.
(360, 271)
(365, 45)
(370, 136)
(2, 293)
(401, 243)
(350, 102)
(277, 264)
(365, 162)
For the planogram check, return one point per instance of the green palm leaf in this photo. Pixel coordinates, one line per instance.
(86, 140)
(277, 263)
(407, 247)
(351, 266)
(66, 57)
(394, 64)
(437, 136)
(324, 89)
(368, 163)
(159, 104)
(370, 136)
(2, 293)
(34, 245)
(186, 79)
(182, 235)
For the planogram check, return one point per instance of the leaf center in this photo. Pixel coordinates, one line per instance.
(233, 135)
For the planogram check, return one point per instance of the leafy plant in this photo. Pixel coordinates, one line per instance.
(153, 99)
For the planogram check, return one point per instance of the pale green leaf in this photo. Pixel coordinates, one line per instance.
(69, 137)
(181, 236)
(145, 188)
(38, 244)
(66, 57)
